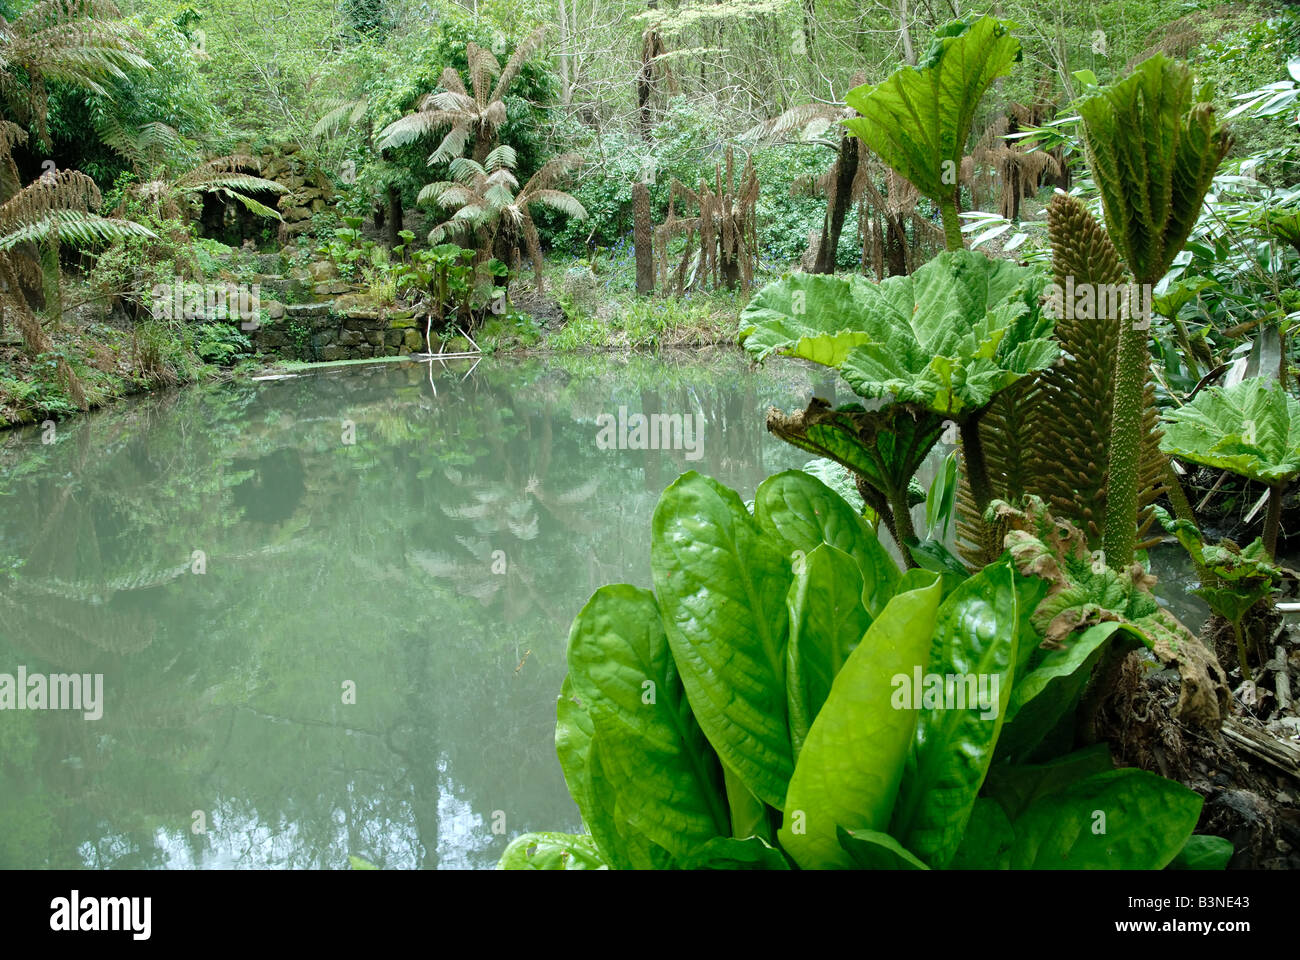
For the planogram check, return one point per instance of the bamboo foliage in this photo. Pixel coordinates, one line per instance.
(726, 225)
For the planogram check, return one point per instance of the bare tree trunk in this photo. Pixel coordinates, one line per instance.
(908, 52)
(566, 87)
(650, 48)
(643, 238)
(394, 219)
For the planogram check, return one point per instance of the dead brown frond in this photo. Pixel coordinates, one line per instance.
(726, 225)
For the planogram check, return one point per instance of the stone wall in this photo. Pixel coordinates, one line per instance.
(337, 331)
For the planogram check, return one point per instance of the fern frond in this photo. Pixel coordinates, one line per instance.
(558, 200)
(502, 156)
(517, 61)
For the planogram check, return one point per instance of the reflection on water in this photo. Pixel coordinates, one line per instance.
(236, 570)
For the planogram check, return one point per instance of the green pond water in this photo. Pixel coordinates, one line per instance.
(330, 610)
(434, 563)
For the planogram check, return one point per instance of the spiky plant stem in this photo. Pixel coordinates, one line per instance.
(981, 488)
(1120, 539)
(902, 529)
(952, 238)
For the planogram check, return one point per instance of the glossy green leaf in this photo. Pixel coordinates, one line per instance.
(852, 761)
(1121, 820)
(552, 851)
(728, 853)
(873, 850)
(802, 512)
(749, 815)
(1016, 786)
(1060, 663)
(827, 621)
(666, 779)
(622, 845)
(987, 842)
(1203, 852)
(972, 656)
(840, 479)
(722, 585)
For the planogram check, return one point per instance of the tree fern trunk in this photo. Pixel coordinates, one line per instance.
(845, 170)
(394, 215)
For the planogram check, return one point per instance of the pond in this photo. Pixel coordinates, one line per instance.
(330, 609)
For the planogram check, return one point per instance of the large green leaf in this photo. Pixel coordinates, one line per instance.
(722, 585)
(665, 778)
(1203, 852)
(621, 846)
(1016, 786)
(552, 851)
(728, 853)
(1120, 820)
(884, 447)
(945, 338)
(918, 119)
(807, 315)
(873, 850)
(827, 621)
(1153, 145)
(852, 761)
(804, 513)
(1251, 428)
(987, 843)
(1059, 663)
(974, 647)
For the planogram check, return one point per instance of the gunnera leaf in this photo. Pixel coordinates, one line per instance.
(1153, 144)
(1251, 429)
(946, 338)
(919, 118)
